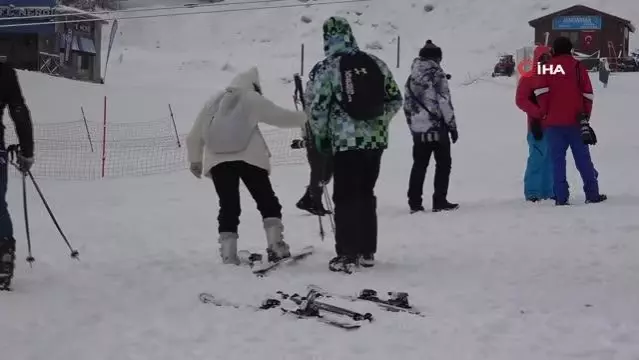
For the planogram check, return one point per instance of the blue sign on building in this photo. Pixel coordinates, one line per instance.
(12, 10)
(577, 22)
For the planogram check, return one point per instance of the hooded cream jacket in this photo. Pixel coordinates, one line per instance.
(226, 128)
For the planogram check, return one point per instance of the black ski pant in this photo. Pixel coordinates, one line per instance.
(422, 152)
(354, 179)
(321, 171)
(226, 178)
(6, 227)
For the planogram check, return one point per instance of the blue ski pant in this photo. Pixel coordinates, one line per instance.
(6, 227)
(560, 138)
(538, 179)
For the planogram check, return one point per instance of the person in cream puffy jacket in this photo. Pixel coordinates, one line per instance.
(226, 145)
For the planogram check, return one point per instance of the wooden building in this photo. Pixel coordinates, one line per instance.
(36, 41)
(594, 33)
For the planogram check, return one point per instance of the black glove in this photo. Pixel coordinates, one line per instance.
(454, 135)
(587, 133)
(298, 144)
(448, 76)
(24, 163)
(536, 130)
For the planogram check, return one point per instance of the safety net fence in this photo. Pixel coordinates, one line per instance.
(85, 150)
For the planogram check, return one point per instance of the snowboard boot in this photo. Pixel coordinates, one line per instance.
(276, 249)
(533, 199)
(597, 199)
(7, 262)
(367, 260)
(312, 202)
(343, 263)
(444, 205)
(228, 248)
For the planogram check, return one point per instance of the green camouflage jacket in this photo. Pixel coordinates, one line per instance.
(334, 130)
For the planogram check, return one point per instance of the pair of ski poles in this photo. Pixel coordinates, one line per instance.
(13, 152)
(298, 96)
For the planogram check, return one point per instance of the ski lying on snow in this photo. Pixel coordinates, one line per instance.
(373, 299)
(263, 269)
(267, 304)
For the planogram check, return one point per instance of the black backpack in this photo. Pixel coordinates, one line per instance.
(363, 86)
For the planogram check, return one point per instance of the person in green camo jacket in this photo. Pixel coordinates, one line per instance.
(352, 97)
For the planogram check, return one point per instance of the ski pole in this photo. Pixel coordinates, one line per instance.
(30, 258)
(74, 253)
(329, 205)
(13, 150)
(299, 96)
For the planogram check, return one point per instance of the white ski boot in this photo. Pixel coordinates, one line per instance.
(277, 249)
(228, 248)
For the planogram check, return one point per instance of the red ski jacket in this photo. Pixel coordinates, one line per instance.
(563, 97)
(525, 98)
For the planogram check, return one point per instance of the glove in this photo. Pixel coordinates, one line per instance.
(24, 163)
(298, 144)
(587, 133)
(536, 130)
(454, 135)
(196, 169)
(448, 76)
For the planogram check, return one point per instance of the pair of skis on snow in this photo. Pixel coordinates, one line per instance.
(305, 308)
(310, 307)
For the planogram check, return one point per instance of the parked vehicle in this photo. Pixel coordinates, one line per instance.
(505, 66)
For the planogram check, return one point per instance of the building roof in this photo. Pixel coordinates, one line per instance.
(70, 10)
(538, 20)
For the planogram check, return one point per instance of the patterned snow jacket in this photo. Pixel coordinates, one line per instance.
(429, 87)
(334, 130)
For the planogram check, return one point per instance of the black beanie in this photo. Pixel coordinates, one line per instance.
(430, 51)
(562, 46)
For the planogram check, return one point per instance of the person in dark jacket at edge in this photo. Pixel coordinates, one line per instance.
(11, 96)
(538, 184)
(356, 147)
(566, 101)
(431, 118)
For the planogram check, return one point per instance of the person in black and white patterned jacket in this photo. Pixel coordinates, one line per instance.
(431, 119)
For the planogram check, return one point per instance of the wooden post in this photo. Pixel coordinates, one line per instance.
(302, 60)
(104, 130)
(177, 136)
(86, 126)
(399, 39)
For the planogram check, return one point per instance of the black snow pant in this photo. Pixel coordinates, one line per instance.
(321, 171)
(422, 152)
(226, 178)
(354, 179)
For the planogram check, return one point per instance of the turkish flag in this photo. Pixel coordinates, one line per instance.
(588, 41)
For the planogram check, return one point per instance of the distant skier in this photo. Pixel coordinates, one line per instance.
(352, 98)
(604, 72)
(566, 100)
(227, 145)
(11, 96)
(431, 118)
(538, 184)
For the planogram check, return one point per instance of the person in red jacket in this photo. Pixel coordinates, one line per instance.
(538, 184)
(565, 97)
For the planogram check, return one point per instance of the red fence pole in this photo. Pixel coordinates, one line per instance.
(104, 130)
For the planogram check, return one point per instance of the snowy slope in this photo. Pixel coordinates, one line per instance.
(499, 279)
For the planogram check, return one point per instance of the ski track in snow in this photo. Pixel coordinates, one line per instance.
(498, 279)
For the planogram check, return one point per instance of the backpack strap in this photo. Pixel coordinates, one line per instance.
(421, 104)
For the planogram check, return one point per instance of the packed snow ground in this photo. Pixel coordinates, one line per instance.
(498, 279)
